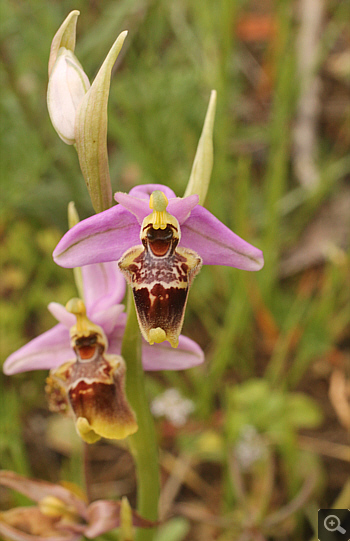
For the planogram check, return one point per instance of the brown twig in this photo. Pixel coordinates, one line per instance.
(324, 447)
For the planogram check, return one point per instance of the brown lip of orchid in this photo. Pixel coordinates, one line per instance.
(60, 514)
(92, 386)
(160, 274)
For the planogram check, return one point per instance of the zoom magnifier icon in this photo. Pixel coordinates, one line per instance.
(332, 524)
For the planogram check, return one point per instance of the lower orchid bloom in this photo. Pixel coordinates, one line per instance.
(92, 386)
(104, 289)
(176, 239)
(60, 514)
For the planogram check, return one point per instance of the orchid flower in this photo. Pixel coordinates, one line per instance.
(61, 515)
(104, 289)
(176, 239)
(91, 386)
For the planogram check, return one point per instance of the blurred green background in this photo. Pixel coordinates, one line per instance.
(277, 341)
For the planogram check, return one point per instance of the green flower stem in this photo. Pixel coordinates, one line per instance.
(143, 444)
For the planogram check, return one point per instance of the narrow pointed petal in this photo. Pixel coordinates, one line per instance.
(138, 207)
(104, 286)
(61, 314)
(182, 208)
(144, 191)
(100, 238)
(64, 37)
(164, 357)
(217, 244)
(91, 132)
(49, 350)
(178, 207)
(203, 161)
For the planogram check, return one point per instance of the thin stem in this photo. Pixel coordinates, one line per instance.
(87, 471)
(143, 444)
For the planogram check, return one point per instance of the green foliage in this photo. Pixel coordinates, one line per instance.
(274, 413)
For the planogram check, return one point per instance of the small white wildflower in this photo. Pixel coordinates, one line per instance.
(173, 406)
(250, 447)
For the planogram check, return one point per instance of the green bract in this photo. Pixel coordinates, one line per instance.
(203, 162)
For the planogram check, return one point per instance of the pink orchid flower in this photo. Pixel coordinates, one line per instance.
(159, 253)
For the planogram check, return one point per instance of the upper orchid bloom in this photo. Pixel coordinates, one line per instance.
(61, 514)
(103, 289)
(176, 238)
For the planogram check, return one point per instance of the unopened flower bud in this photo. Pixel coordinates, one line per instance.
(68, 85)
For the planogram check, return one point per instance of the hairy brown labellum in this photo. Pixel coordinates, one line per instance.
(93, 386)
(160, 274)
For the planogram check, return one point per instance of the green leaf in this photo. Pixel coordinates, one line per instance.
(303, 412)
(175, 529)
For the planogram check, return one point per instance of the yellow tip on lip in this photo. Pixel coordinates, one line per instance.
(85, 430)
(157, 336)
(101, 428)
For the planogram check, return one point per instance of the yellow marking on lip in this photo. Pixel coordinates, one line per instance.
(156, 336)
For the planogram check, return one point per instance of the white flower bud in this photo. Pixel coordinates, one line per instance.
(68, 84)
